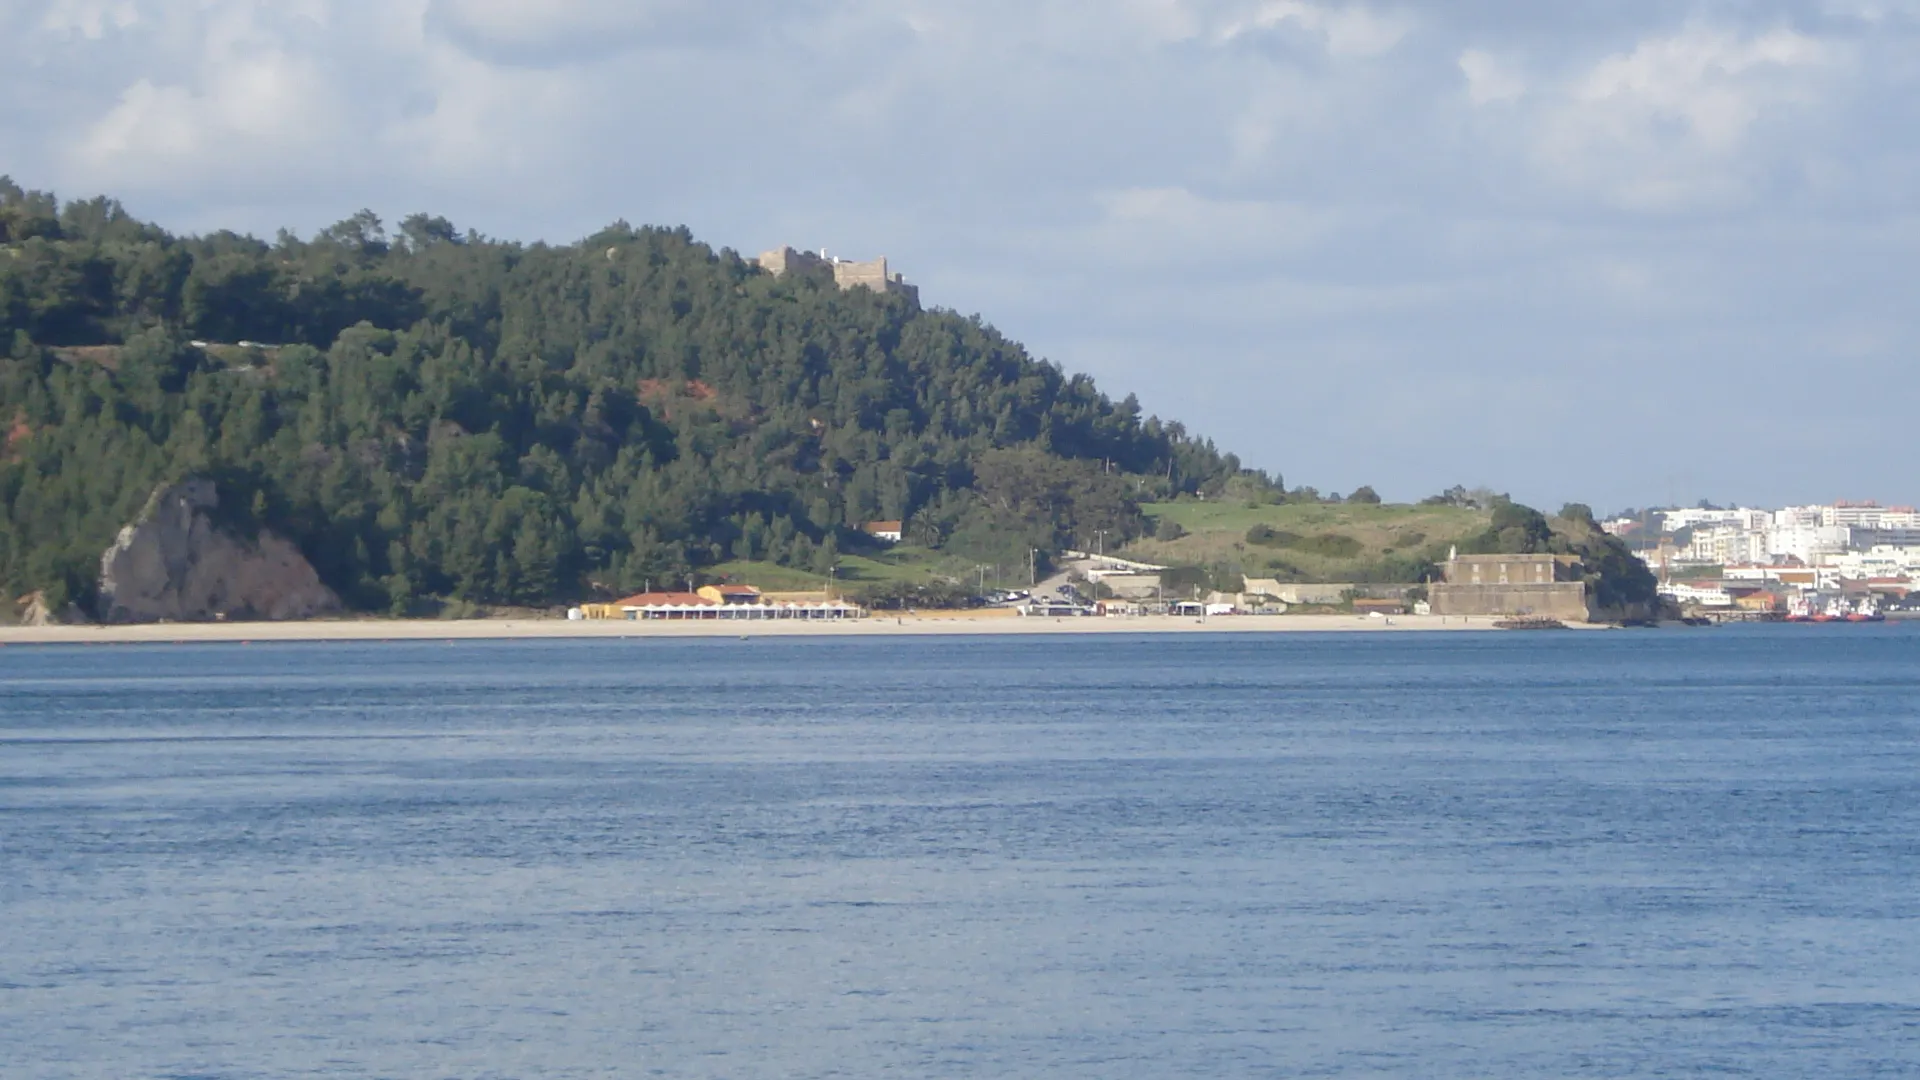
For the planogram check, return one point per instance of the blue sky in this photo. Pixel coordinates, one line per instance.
(1623, 252)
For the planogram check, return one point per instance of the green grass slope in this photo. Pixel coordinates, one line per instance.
(1308, 541)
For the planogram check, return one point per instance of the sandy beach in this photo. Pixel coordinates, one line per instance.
(926, 623)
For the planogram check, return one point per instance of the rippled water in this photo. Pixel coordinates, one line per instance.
(1626, 854)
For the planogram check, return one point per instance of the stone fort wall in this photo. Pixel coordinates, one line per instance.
(873, 274)
(1554, 600)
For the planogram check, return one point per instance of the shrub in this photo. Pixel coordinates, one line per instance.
(1330, 545)
(1268, 536)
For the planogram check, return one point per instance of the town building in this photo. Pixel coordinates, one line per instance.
(887, 532)
(1805, 557)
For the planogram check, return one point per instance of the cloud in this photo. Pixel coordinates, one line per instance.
(564, 32)
(1490, 79)
(91, 19)
(1670, 122)
(1348, 30)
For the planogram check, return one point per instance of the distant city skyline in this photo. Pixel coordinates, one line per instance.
(1617, 254)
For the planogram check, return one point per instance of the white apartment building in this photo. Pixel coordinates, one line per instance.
(1725, 545)
(1811, 544)
(1887, 536)
(1869, 515)
(1883, 561)
(1813, 535)
(1675, 520)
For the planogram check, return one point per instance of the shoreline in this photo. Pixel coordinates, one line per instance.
(927, 624)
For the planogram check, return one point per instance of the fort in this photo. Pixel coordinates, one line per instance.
(1549, 586)
(848, 274)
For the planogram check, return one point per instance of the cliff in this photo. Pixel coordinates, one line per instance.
(177, 564)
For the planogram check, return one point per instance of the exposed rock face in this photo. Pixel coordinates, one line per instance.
(176, 564)
(34, 612)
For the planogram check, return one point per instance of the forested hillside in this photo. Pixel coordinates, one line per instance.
(435, 414)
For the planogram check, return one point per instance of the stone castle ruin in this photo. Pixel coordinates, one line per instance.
(872, 274)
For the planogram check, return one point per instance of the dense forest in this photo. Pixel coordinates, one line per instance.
(433, 414)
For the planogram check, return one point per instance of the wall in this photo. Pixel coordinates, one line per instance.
(847, 274)
(1133, 586)
(1324, 592)
(873, 275)
(1556, 600)
(1507, 569)
(786, 260)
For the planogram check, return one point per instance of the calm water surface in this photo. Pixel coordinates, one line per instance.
(1627, 854)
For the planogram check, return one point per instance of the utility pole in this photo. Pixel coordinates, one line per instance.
(1033, 567)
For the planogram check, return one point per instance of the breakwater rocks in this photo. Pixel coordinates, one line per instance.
(177, 564)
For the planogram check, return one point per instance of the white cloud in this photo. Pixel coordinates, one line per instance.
(1670, 122)
(91, 19)
(1347, 30)
(1714, 81)
(564, 32)
(1489, 79)
(1174, 227)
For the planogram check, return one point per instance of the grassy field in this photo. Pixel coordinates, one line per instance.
(1312, 542)
(904, 563)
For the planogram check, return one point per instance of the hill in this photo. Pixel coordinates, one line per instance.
(1306, 541)
(1221, 541)
(432, 414)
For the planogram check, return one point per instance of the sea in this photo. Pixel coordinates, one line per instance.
(1608, 854)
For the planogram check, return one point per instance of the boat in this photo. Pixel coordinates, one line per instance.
(1835, 609)
(1866, 611)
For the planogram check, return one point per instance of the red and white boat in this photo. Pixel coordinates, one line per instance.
(1867, 610)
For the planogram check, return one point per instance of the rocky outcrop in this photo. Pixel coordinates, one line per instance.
(35, 612)
(177, 564)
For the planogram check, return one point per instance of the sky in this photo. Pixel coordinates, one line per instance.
(1623, 252)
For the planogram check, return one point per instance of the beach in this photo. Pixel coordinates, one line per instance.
(957, 622)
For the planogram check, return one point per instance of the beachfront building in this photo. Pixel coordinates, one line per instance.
(723, 602)
(651, 606)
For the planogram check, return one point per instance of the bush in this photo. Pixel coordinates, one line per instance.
(900, 595)
(456, 608)
(1268, 536)
(1330, 545)
(1168, 529)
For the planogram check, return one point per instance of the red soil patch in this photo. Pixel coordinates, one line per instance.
(20, 432)
(656, 389)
